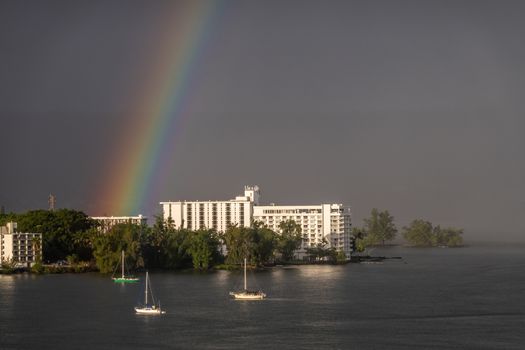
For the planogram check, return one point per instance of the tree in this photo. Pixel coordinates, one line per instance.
(419, 233)
(108, 247)
(154, 243)
(320, 252)
(379, 227)
(289, 240)
(5, 218)
(256, 243)
(177, 251)
(387, 228)
(59, 229)
(82, 245)
(455, 240)
(7, 266)
(448, 236)
(265, 241)
(361, 239)
(238, 243)
(37, 267)
(204, 249)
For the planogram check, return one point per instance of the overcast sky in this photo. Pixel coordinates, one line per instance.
(416, 107)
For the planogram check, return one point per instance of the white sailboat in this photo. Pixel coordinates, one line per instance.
(148, 309)
(246, 294)
(123, 278)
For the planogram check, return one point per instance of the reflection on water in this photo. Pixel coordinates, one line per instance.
(7, 283)
(221, 279)
(323, 273)
(7, 292)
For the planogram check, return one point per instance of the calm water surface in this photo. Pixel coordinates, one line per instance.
(469, 298)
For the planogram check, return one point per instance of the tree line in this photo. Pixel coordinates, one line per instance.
(379, 228)
(71, 235)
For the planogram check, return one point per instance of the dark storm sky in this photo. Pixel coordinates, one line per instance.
(412, 106)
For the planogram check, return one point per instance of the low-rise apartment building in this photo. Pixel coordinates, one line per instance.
(107, 222)
(21, 248)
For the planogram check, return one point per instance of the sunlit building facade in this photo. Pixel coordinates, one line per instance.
(20, 248)
(218, 215)
(107, 222)
(326, 224)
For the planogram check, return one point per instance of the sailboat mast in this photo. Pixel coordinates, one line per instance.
(146, 294)
(122, 264)
(245, 287)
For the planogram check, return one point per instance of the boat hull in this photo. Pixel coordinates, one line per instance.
(248, 295)
(125, 280)
(148, 311)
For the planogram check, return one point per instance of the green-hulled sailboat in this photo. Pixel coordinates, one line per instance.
(123, 278)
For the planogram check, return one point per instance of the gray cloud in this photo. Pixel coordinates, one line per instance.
(411, 106)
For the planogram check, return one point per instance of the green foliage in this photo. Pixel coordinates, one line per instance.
(341, 257)
(8, 266)
(108, 247)
(255, 243)
(37, 268)
(421, 233)
(72, 259)
(155, 243)
(63, 231)
(289, 240)
(361, 240)
(238, 241)
(5, 218)
(164, 246)
(321, 253)
(448, 236)
(379, 227)
(71, 235)
(264, 245)
(178, 249)
(204, 249)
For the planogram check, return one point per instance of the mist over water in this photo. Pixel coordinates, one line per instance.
(466, 298)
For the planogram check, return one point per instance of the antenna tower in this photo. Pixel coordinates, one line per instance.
(52, 201)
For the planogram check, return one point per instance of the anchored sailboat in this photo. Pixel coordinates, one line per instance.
(248, 294)
(148, 309)
(123, 278)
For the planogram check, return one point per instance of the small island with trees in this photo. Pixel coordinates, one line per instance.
(379, 228)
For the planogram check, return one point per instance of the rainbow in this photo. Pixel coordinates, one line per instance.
(142, 153)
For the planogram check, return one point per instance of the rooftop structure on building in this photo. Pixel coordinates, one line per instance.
(328, 224)
(20, 248)
(107, 222)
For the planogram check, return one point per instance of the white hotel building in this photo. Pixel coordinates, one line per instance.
(218, 215)
(330, 223)
(323, 223)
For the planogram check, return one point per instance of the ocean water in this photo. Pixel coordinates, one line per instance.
(467, 298)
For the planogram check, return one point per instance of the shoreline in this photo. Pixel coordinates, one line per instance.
(78, 269)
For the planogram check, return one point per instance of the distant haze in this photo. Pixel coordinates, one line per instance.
(411, 106)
